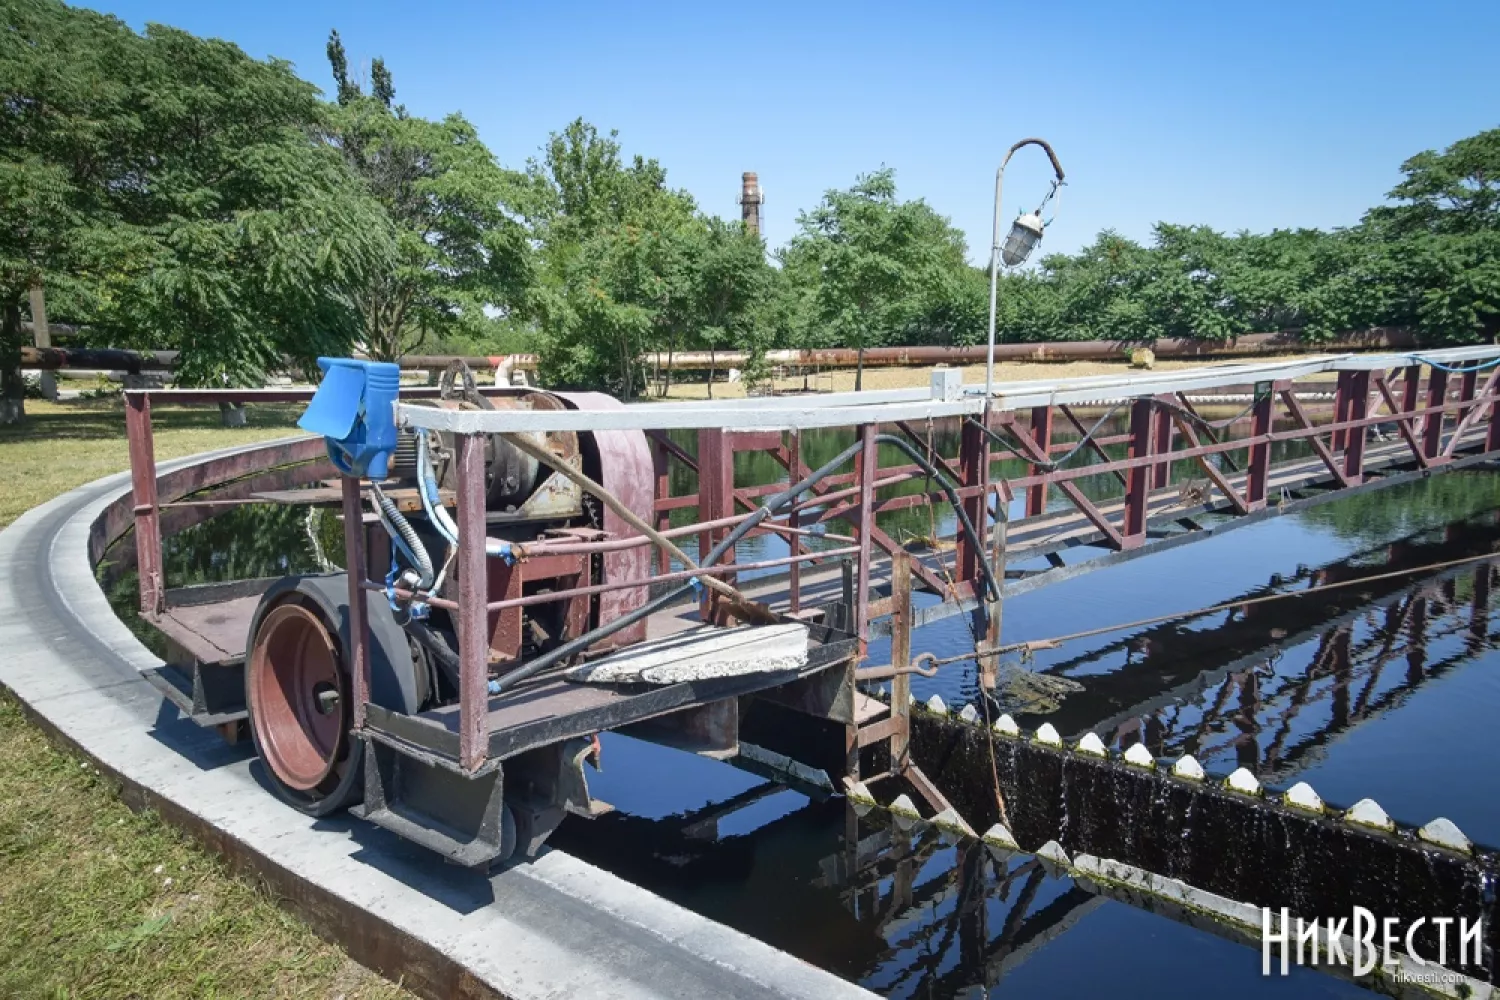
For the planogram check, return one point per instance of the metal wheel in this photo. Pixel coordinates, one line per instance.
(297, 692)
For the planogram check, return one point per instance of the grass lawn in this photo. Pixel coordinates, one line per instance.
(96, 900)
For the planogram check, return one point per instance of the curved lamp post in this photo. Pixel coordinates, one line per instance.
(1025, 234)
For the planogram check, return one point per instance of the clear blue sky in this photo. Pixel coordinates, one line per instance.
(1238, 115)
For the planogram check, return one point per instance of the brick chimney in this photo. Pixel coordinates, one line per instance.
(750, 201)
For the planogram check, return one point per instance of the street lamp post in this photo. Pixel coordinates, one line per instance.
(1025, 234)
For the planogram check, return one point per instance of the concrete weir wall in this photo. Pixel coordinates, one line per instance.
(1252, 846)
(555, 927)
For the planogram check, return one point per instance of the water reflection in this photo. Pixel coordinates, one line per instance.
(1297, 688)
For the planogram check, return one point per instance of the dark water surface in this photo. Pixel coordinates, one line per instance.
(1388, 689)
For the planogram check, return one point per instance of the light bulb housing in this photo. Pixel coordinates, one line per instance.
(1025, 234)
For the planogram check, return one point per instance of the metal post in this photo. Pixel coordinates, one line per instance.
(1432, 426)
(867, 470)
(973, 470)
(1138, 477)
(1161, 443)
(1357, 404)
(1258, 475)
(989, 665)
(989, 358)
(900, 656)
(354, 559)
(794, 520)
(1466, 387)
(1341, 411)
(148, 558)
(473, 595)
(715, 499)
(662, 467)
(1041, 431)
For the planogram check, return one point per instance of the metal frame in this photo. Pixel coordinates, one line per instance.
(850, 593)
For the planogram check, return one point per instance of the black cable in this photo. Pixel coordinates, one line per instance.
(769, 509)
(1049, 465)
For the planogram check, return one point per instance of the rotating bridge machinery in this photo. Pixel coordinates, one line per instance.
(297, 677)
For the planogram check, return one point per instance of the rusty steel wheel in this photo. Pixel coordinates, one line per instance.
(297, 692)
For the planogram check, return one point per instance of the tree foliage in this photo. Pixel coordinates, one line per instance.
(170, 191)
(628, 265)
(871, 263)
(455, 250)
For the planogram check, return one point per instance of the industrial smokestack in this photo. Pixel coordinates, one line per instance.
(750, 201)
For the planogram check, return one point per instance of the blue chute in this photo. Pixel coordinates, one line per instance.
(354, 410)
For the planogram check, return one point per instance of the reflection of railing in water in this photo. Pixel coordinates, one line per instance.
(1160, 720)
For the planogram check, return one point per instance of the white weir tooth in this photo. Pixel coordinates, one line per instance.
(1367, 812)
(903, 806)
(1242, 781)
(883, 693)
(1189, 768)
(999, 836)
(1138, 755)
(935, 706)
(1006, 726)
(1053, 851)
(950, 821)
(1445, 833)
(1047, 734)
(1092, 745)
(1301, 796)
(860, 792)
(911, 699)
(969, 714)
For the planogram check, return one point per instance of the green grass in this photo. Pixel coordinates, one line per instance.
(63, 445)
(97, 900)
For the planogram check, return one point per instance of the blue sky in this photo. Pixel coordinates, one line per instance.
(1232, 114)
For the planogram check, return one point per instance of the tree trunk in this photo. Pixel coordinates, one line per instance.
(859, 369)
(42, 337)
(666, 382)
(12, 384)
(713, 365)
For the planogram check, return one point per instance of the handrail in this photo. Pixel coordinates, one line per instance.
(852, 408)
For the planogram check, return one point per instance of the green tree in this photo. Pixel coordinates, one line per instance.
(615, 246)
(868, 259)
(731, 289)
(456, 250)
(172, 192)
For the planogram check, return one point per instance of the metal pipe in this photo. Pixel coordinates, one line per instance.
(1245, 345)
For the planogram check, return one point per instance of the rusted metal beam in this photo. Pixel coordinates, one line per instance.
(359, 626)
(1294, 407)
(1210, 470)
(1041, 432)
(1258, 470)
(473, 632)
(1358, 399)
(153, 586)
(1432, 428)
(1403, 422)
(900, 656)
(868, 461)
(1161, 441)
(1138, 479)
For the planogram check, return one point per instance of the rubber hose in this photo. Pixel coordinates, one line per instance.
(414, 547)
